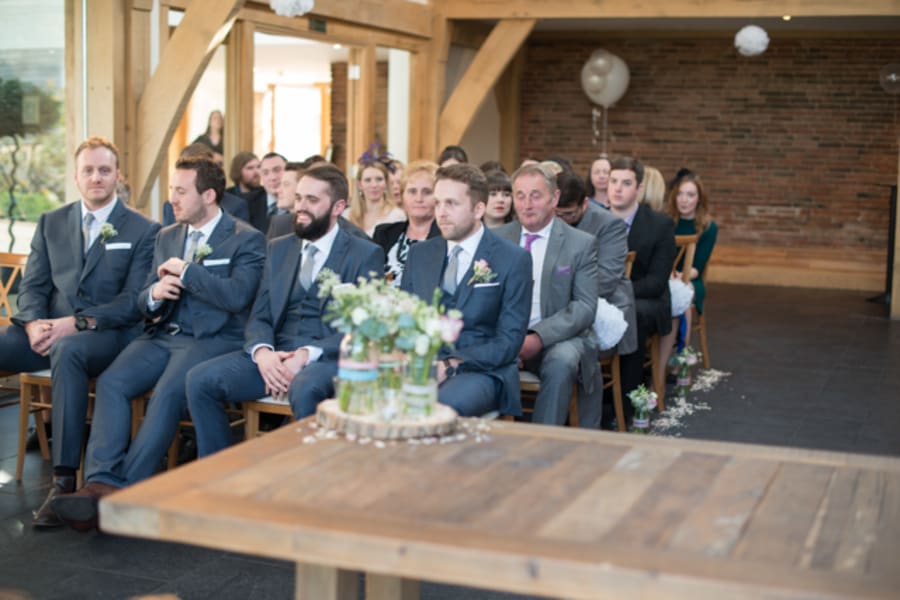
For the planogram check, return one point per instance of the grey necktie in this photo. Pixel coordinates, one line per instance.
(452, 269)
(193, 242)
(306, 269)
(86, 230)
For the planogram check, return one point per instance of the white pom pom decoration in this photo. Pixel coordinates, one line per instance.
(609, 324)
(291, 8)
(682, 296)
(751, 40)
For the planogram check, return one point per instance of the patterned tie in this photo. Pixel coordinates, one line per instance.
(193, 242)
(449, 283)
(306, 269)
(530, 239)
(86, 230)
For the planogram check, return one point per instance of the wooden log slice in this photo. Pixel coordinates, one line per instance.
(442, 421)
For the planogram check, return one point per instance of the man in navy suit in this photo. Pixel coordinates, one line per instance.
(76, 301)
(206, 269)
(289, 350)
(231, 203)
(652, 236)
(480, 374)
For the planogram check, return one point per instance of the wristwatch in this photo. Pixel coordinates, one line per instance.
(82, 324)
(449, 369)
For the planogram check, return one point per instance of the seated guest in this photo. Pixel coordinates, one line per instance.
(289, 350)
(480, 374)
(395, 169)
(76, 301)
(652, 236)
(499, 205)
(206, 269)
(654, 192)
(231, 203)
(417, 192)
(564, 297)
(597, 181)
(452, 155)
(371, 206)
(245, 174)
(492, 165)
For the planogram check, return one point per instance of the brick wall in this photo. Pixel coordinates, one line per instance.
(339, 109)
(798, 147)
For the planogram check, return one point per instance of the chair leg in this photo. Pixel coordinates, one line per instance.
(658, 372)
(573, 406)
(616, 372)
(24, 412)
(704, 347)
(251, 426)
(39, 427)
(173, 451)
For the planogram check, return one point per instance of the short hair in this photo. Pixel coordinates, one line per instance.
(336, 180)
(273, 155)
(210, 176)
(97, 141)
(627, 163)
(416, 167)
(455, 152)
(492, 165)
(469, 175)
(197, 150)
(239, 161)
(294, 166)
(539, 169)
(498, 181)
(654, 192)
(588, 183)
(571, 190)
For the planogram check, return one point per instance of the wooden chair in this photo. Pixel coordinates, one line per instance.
(609, 363)
(267, 405)
(530, 385)
(698, 325)
(12, 267)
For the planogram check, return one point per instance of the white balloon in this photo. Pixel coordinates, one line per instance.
(604, 78)
(616, 84)
(601, 61)
(751, 40)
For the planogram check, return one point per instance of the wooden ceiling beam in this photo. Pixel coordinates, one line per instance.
(498, 50)
(656, 9)
(183, 60)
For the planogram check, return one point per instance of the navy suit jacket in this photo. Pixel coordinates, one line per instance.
(350, 257)
(652, 237)
(495, 316)
(59, 281)
(221, 286)
(232, 204)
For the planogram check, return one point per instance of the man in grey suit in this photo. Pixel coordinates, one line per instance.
(76, 301)
(480, 374)
(564, 297)
(206, 269)
(289, 349)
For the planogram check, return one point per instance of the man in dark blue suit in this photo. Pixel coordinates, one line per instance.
(206, 270)
(76, 301)
(481, 373)
(230, 203)
(289, 349)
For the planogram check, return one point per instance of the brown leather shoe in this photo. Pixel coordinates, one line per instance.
(44, 517)
(79, 510)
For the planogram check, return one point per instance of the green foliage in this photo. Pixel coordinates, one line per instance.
(12, 93)
(29, 207)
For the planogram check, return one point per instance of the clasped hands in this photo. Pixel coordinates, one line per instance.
(278, 368)
(43, 333)
(531, 347)
(169, 285)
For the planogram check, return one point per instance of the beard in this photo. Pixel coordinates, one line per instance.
(316, 228)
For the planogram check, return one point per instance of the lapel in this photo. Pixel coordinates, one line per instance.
(335, 259)
(219, 235)
(284, 278)
(429, 279)
(175, 242)
(484, 251)
(551, 261)
(98, 248)
(76, 242)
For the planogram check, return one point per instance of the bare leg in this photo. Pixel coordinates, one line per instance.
(666, 343)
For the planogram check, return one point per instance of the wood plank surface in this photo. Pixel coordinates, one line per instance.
(543, 511)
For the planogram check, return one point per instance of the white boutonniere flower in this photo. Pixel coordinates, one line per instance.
(203, 250)
(107, 231)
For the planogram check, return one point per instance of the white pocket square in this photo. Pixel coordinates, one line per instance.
(119, 246)
(481, 285)
(216, 262)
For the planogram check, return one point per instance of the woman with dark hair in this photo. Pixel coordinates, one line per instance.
(452, 155)
(417, 193)
(213, 137)
(597, 181)
(499, 210)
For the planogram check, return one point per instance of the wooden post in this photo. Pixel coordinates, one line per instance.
(239, 59)
(325, 583)
(74, 88)
(106, 50)
(383, 587)
(138, 26)
(507, 92)
(361, 76)
(498, 50)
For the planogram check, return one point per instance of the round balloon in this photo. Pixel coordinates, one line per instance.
(616, 84)
(604, 78)
(601, 61)
(889, 77)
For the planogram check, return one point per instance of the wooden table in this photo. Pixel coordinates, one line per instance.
(539, 510)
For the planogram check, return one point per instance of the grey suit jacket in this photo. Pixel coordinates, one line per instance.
(615, 288)
(59, 281)
(221, 287)
(569, 289)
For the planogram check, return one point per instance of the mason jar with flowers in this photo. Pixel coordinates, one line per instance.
(643, 401)
(685, 360)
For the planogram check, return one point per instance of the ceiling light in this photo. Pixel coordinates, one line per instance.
(786, 18)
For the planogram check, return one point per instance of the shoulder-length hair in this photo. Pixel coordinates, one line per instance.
(701, 218)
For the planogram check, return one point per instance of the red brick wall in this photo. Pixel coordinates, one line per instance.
(339, 109)
(797, 147)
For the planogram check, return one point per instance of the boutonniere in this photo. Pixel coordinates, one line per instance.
(483, 273)
(107, 231)
(203, 250)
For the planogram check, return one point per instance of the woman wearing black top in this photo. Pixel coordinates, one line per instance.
(212, 137)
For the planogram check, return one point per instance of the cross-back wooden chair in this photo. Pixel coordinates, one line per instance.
(12, 267)
(698, 325)
(609, 363)
(530, 385)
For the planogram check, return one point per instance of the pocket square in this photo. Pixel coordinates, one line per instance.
(118, 246)
(482, 285)
(216, 262)
(563, 269)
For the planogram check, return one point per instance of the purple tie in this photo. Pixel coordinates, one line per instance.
(529, 240)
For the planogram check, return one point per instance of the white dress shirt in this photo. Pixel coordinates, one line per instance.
(538, 252)
(467, 254)
(101, 215)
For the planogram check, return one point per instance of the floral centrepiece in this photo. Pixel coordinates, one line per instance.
(107, 231)
(643, 401)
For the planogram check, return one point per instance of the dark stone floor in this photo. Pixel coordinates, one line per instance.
(809, 368)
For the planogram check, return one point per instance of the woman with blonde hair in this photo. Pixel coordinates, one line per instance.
(370, 206)
(654, 192)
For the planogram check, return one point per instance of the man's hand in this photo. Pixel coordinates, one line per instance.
(38, 331)
(59, 328)
(173, 266)
(531, 347)
(167, 288)
(275, 374)
(298, 359)
(442, 368)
